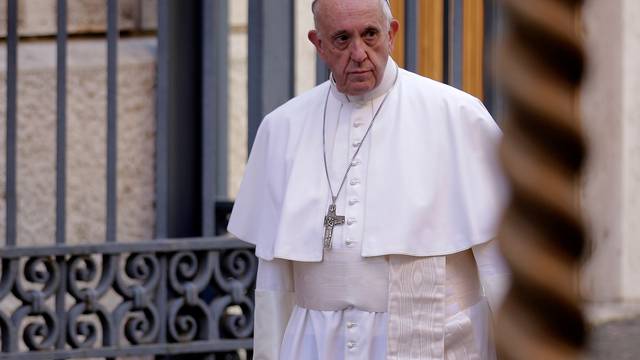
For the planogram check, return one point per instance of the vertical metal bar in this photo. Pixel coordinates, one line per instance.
(221, 80)
(112, 117)
(322, 70)
(162, 293)
(457, 34)
(162, 116)
(162, 160)
(271, 72)
(184, 121)
(12, 80)
(411, 35)
(61, 109)
(256, 58)
(290, 24)
(61, 160)
(446, 40)
(179, 111)
(492, 31)
(214, 108)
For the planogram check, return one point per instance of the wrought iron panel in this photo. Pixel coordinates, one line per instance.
(119, 298)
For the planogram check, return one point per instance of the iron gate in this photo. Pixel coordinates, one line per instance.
(188, 291)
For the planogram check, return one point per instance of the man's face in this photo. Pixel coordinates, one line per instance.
(352, 38)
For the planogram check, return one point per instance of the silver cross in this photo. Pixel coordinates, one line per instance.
(330, 221)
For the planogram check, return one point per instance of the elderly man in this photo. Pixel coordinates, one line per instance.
(372, 200)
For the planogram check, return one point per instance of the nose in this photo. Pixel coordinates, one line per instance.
(358, 52)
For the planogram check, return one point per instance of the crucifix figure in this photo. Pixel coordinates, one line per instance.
(330, 221)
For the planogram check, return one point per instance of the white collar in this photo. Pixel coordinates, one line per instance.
(388, 79)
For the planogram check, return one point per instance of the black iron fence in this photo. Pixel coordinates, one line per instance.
(179, 296)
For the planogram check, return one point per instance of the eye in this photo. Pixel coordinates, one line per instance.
(370, 35)
(341, 40)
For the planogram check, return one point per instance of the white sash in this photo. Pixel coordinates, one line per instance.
(426, 295)
(342, 279)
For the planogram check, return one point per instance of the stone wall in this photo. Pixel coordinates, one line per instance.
(238, 77)
(611, 191)
(86, 140)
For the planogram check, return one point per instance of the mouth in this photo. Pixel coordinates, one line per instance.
(359, 72)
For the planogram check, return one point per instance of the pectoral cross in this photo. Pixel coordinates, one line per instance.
(330, 221)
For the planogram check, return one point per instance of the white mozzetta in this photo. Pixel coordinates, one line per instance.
(433, 182)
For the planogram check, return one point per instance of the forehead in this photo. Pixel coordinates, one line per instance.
(343, 15)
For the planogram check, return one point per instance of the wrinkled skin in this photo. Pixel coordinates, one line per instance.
(352, 38)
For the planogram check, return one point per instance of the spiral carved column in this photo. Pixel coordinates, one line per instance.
(542, 236)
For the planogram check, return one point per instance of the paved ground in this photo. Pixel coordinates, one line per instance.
(618, 340)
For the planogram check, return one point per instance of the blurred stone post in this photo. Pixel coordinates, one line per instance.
(542, 235)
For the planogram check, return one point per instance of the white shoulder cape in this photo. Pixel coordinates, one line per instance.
(434, 185)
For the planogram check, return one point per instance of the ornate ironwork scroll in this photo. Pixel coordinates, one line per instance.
(542, 236)
(154, 297)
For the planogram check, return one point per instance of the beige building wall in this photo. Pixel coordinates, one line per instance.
(631, 150)
(86, 139)
(611, 191)
(305, 52)
(238, 62)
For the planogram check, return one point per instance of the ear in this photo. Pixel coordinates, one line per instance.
(314, 37)
(316, 40)
(393, 30)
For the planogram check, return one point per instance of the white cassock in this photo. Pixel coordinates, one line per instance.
(413, 272)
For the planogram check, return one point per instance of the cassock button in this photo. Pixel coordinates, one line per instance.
(351, 325)
(354, 181)
(351, 221)
(353, 201)
(351, 344)
(357, 124)
(356, 162)
(349, 243)
(356, 143)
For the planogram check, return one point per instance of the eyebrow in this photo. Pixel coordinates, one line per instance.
(367, 28)
(338, 33)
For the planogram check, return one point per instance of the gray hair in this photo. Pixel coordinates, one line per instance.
(384, 4)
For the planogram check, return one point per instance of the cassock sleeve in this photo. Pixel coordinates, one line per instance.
(255, 219)
(256, 212)
(483, 182)
(274, 303)
(493, 272)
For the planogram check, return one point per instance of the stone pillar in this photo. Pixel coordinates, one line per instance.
(611, 189)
